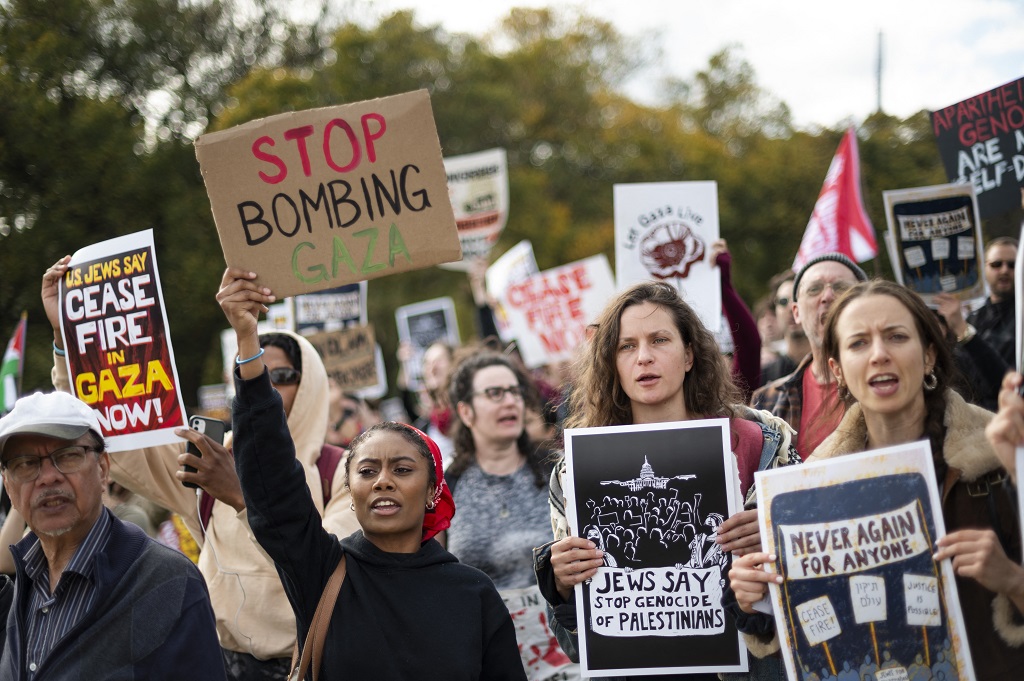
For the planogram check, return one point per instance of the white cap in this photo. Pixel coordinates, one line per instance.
(55, 414)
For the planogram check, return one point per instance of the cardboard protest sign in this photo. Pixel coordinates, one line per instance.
(652, 498)
(549, 312)
(542, 657)
(335, 308)
(478, 188)
(981, 141)
(349, 356)
(515, 265)
(934, 240)
(421, 325)
(118, 343)
(854, 538)
(664, 231)
(315, 199)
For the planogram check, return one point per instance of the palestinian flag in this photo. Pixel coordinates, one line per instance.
(10, 370)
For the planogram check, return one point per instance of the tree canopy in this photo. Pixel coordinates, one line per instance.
(100, 100)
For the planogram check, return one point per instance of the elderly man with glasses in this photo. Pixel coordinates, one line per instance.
(802, 398)
(95, 598)
(254, 620)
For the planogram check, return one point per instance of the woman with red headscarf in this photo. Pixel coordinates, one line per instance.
(400, 582)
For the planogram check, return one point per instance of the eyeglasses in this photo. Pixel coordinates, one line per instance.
(285, 376)
(66, 460)
(816, 288)
(998, 264)
(496, 393)
(782, 301)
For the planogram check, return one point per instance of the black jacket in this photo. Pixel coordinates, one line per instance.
(420, 616)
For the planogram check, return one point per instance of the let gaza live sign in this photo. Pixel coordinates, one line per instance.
(315, 199)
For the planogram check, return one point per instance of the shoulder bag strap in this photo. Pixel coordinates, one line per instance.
(312, 652)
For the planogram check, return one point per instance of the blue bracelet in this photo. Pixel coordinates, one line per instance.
(240, 361)
(57, 351)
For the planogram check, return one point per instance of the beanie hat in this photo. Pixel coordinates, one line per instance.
(828, 257)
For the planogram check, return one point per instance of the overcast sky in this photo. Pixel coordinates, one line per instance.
(818, 56)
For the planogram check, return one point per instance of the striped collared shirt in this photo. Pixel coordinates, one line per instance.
(51, 616)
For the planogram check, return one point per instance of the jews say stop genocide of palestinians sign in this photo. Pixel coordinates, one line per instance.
(854, 538)
(118, 343)
(315, 199)
(652, 498)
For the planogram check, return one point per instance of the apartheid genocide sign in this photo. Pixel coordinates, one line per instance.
(981, 141)
(854, 537)
(315, 199)
(118, 343)
(652, 497)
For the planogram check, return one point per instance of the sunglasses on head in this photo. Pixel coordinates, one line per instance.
(998, 264)
(285, 376)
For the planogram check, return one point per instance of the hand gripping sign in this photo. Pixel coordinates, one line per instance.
(118, 343)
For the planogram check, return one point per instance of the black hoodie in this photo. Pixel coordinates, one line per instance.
(419, 616)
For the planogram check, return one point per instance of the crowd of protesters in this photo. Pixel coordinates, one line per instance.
(313, 481)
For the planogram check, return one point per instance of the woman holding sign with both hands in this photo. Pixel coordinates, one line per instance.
(888, 353)
(651, 360)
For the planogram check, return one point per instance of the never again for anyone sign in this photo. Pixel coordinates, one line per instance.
(934, 239)
(652, 498)
(118, 344)
(315, 199)
(854, 538)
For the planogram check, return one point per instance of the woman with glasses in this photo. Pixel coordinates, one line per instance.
(254, 620)
(651, 360)
(498, 476)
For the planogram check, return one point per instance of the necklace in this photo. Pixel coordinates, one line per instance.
(501, 489)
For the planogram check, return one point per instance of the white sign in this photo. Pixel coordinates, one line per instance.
(922, 598)
(915, 256)
(515, 265)
(940, 249)
(664, 231)
(868, 597)
(478, 189)
(818, 620)
(549, 311)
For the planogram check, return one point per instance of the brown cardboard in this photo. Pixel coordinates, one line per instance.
(315, 199)
(348, 356)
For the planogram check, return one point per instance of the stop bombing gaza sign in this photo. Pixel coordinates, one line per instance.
(315, 199)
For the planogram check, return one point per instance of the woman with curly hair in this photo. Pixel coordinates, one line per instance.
(651, 360)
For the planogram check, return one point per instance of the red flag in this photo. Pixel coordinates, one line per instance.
(839, 223)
